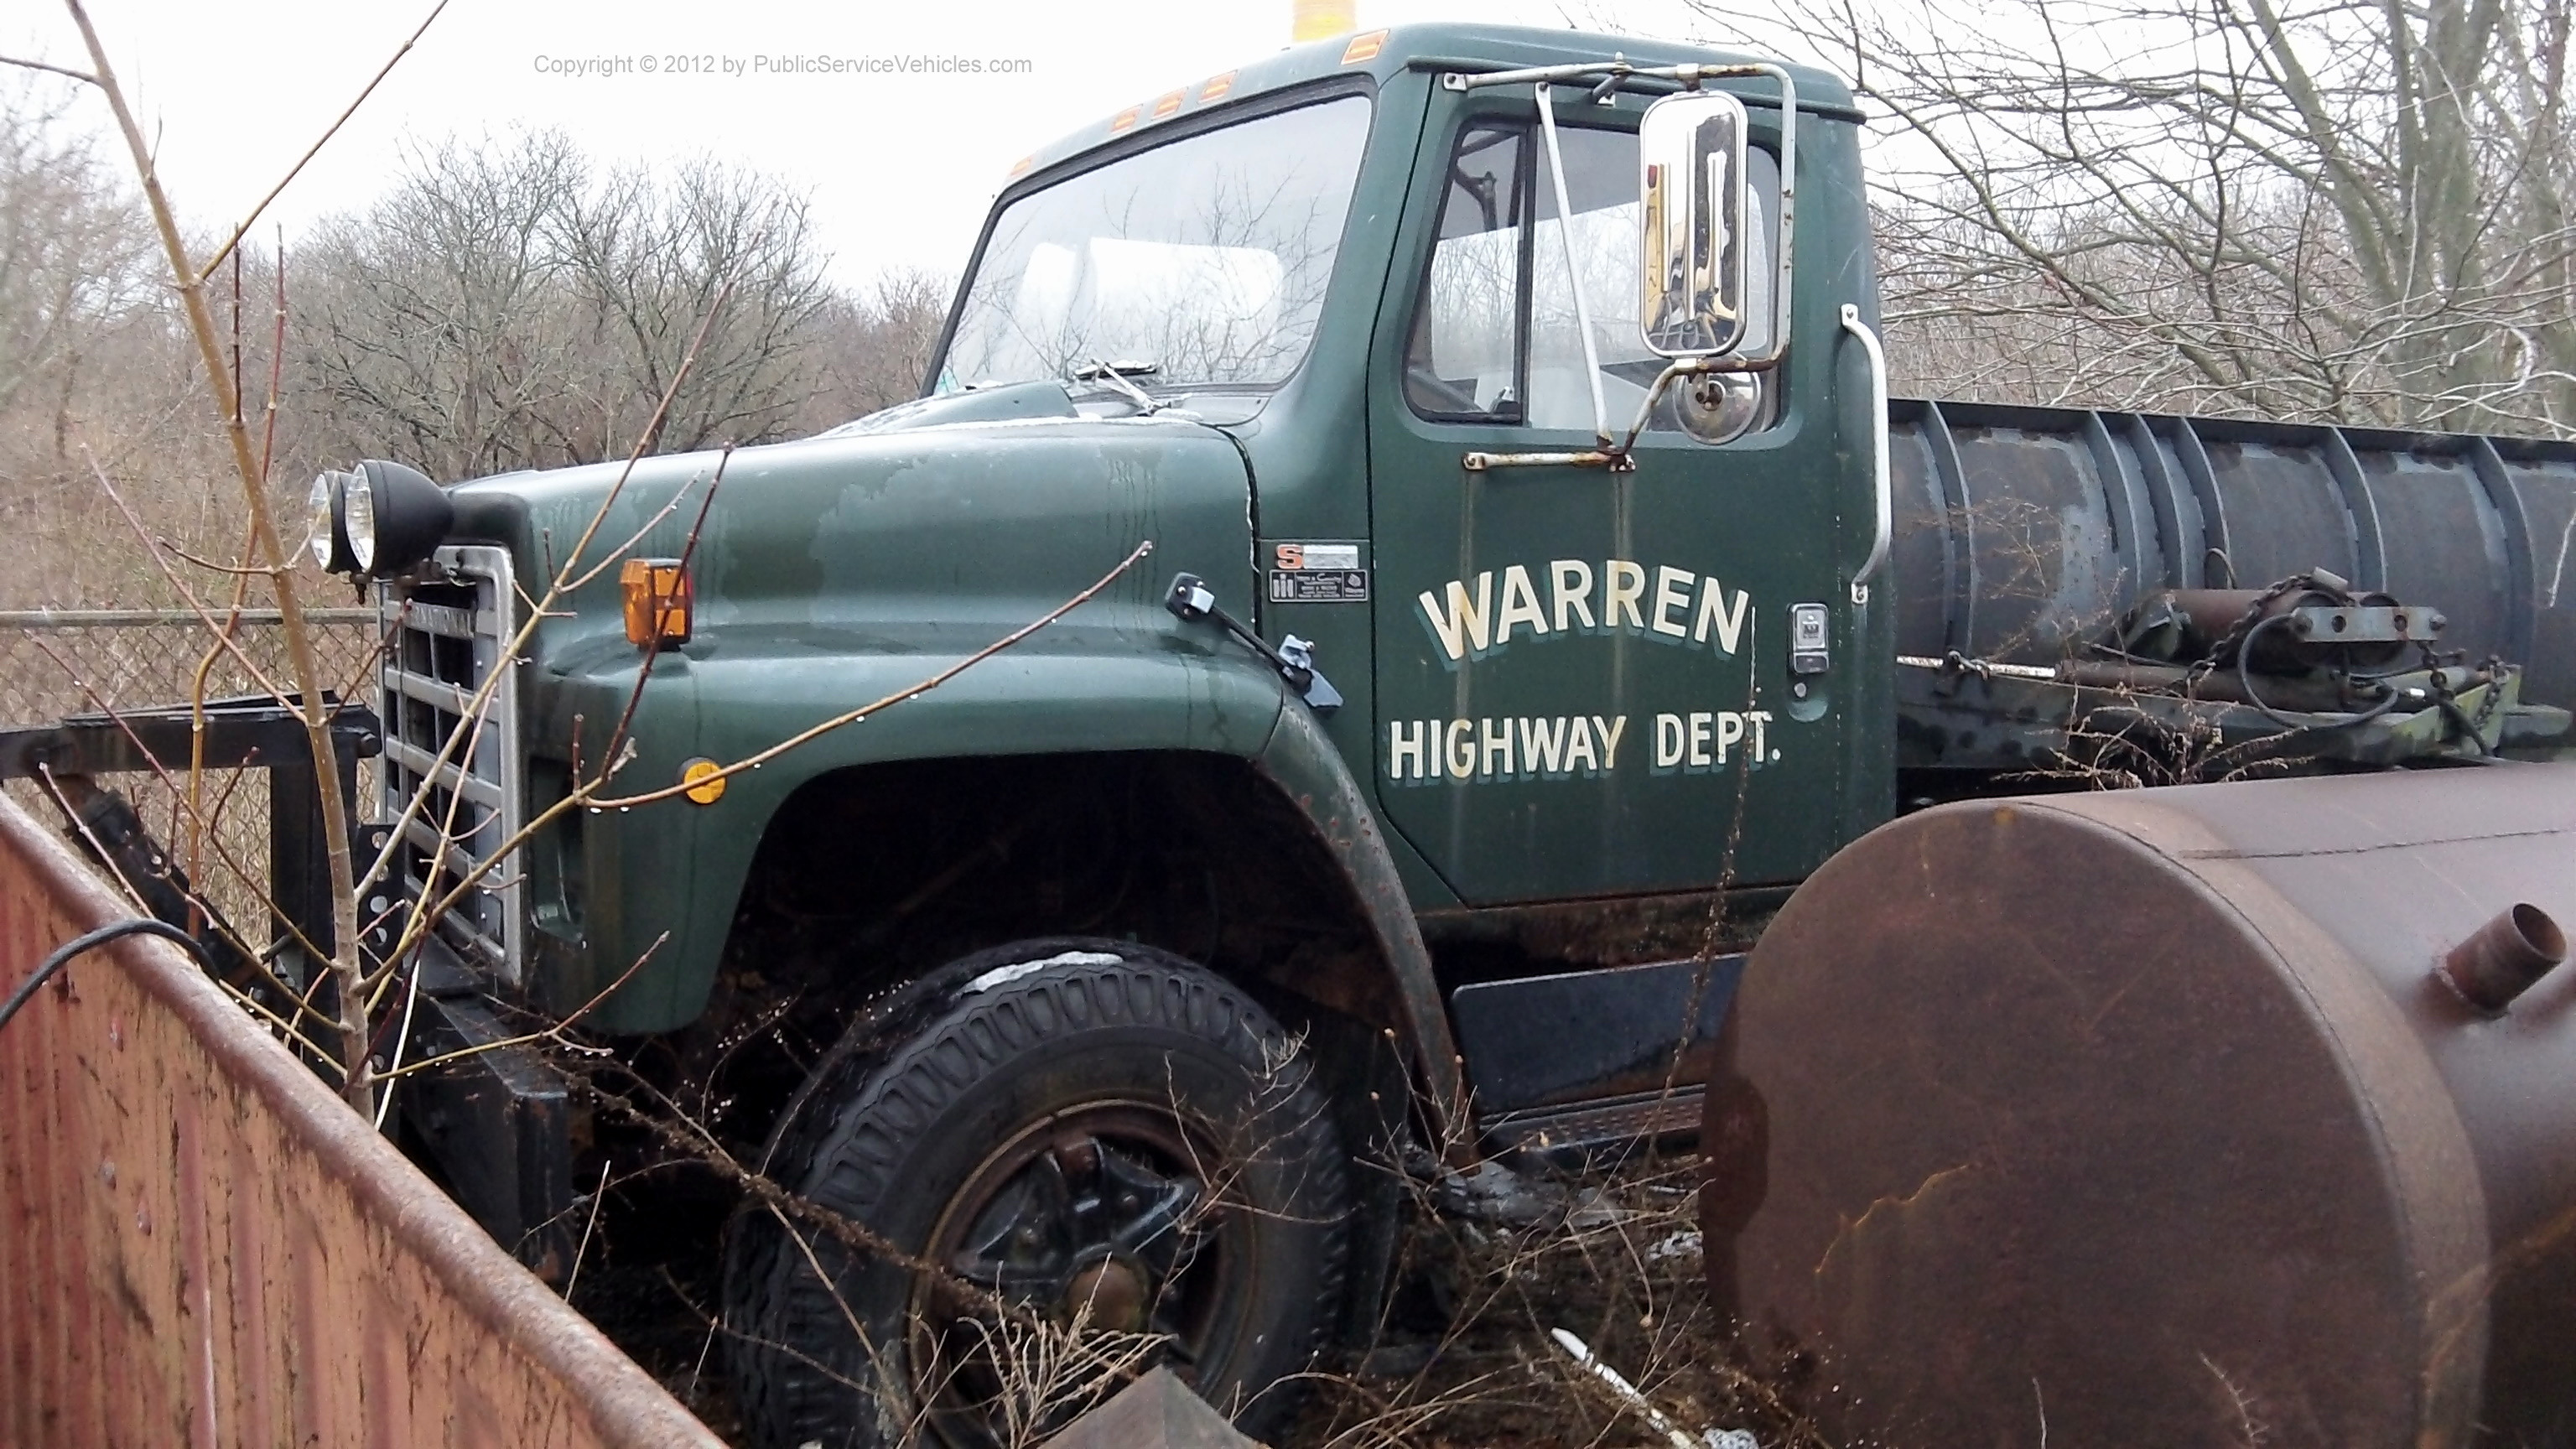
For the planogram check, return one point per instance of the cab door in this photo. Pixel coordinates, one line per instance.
(1583, 676)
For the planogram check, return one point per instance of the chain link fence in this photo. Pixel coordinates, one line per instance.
(59, 662)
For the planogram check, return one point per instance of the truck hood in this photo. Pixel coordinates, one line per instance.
(917, 535)
(1017, 402)
(1222, 405)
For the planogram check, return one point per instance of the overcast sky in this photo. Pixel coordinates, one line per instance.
(900, 168)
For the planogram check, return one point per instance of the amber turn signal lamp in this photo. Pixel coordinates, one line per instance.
(703, 781)
(657, 602)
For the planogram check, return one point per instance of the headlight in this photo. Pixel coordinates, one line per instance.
(358, 521)
(322, 523)
(383, 518)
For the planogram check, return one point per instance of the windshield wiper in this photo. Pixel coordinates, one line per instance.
(1116, 374)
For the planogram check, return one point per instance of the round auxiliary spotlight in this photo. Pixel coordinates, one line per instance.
(328, 541)
(387, 517)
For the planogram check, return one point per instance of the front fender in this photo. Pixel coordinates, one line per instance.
(660, 882)
(1302, 762)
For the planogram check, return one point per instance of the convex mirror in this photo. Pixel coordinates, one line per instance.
(1690, 151)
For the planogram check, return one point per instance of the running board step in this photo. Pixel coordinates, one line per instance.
(1590, 1125)
(1602, 1035)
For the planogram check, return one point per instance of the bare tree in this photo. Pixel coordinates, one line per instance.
(2346, 210)
(502, 307)
(437, 323)
(94, 362)
(75, 256)
(876, 345)
(648, 252)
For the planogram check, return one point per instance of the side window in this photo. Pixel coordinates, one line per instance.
(1489, 348)
(1601, 187)
(1464, 358)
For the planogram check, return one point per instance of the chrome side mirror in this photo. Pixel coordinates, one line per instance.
(1691, 179)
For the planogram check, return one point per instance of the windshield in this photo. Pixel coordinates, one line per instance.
(1202, 262)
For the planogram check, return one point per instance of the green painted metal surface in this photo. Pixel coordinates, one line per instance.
(833, 573)
(1582, 682)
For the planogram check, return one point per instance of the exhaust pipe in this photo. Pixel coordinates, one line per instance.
(2504, 957)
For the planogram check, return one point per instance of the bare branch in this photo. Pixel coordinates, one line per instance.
(84, 77)
(247, 222)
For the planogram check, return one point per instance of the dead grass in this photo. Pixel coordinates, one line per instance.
(1463, 1357)
(1619, 1266)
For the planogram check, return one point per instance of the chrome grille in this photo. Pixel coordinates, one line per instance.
(446, 634)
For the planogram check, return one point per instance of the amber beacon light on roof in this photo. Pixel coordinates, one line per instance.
(1321, 19)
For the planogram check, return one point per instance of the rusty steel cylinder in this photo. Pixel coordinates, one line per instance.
(2218, 1114)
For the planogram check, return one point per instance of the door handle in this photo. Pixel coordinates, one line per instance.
(1884, 484)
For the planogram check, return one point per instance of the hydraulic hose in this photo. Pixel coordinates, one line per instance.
(132, 926)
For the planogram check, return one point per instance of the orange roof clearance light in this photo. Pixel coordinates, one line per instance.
(1021, 167)
(1167, 103)
(1124, 120)
(1364, 47)
(1215, 87)
(658, 600)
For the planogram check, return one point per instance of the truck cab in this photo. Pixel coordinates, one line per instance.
(1552, 667)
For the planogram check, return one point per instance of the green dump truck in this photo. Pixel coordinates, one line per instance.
(1541, 586)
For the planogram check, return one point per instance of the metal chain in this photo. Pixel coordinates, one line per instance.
(2491, 674)
(2253, 615)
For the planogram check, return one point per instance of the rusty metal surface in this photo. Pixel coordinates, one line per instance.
(2144, 1118)
(204, 1247)
(2217, 625)
(2506, 957)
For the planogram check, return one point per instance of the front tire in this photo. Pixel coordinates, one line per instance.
(1071, 1155)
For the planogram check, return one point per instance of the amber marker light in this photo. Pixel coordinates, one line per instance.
(1215, 87)
(704, 779)
(657, 602)
(1167, 103)
(1364, 47)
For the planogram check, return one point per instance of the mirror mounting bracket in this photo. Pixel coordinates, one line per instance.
(1573, 267)
(1621, 456)
(1190, 600)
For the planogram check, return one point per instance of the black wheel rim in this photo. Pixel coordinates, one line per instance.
(1103, 1215)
